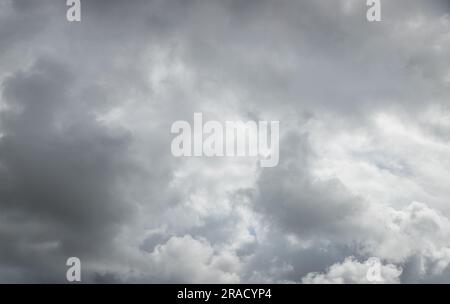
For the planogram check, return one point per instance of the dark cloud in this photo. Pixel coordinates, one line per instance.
(60, 169)
(290, 196)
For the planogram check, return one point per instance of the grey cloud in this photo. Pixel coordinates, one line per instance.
(59, 171)
(85, 163)
(291, 196)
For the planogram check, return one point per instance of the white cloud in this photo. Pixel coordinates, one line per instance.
(184, 259)
(351, 271)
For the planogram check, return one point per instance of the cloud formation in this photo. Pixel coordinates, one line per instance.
(85, 162)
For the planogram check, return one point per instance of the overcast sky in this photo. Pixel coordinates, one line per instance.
(85, 162)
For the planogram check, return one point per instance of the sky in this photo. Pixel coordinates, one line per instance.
(86, 168)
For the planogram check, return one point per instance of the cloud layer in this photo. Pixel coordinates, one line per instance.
(85, 162)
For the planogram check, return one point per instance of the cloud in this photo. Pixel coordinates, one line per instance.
(60, 170)
(353, 272)
(85, 163)
(184, 259)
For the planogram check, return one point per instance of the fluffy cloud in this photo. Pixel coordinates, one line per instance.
(353, 272)
(184, 259)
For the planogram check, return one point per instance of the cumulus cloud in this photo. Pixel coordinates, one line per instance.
(353, 272)
(85, 162)
(184, 259)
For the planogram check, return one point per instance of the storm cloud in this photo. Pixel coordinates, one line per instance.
(86, 168)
